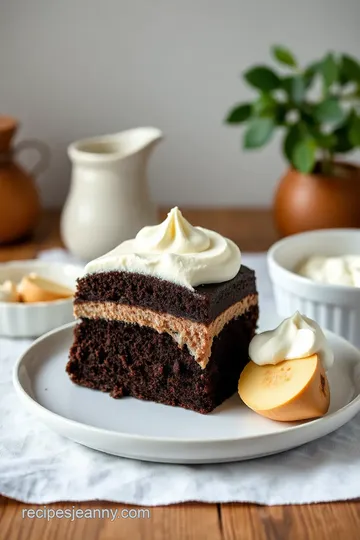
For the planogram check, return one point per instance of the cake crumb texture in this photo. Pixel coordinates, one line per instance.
(130, 360)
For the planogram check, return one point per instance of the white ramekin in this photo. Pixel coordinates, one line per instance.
(19, 320)
(335, 307)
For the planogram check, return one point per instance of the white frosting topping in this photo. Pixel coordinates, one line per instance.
(175, 251)
(8, 292)
(343, 270)
(296, 337)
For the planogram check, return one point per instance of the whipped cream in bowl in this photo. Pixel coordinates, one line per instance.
(296, 337)
(317, 273)
(340, 270)
(175, 251)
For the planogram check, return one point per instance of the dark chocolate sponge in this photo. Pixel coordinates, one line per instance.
(126, 359)
(203, 304)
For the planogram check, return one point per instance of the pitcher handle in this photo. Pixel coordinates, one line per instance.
(43, 152)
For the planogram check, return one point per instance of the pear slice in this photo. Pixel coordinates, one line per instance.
(34, 288)
(291, 390)
(8, 292)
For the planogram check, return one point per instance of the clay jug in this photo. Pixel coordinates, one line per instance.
(19, 199)
(316, 201)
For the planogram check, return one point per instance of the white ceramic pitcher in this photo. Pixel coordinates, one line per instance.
(108, 200)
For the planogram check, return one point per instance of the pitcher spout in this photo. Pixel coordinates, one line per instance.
(139, 142)
(117, 146)
(145, 136)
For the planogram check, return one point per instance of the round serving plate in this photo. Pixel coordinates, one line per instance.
(149, 431)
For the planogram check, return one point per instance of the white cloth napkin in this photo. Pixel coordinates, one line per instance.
(39, 466)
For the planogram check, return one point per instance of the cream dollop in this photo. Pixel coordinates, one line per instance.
(344, 270)
(174, 235)
(8, 292)
(296, 337)
(175, 251)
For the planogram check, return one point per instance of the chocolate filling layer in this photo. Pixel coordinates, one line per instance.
(198, 337)
(202, 304)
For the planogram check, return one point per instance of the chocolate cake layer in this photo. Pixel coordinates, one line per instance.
(131, 360)
(196, 336)
(204, 303)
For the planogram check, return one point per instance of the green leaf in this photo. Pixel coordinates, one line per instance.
(350, 69)
(323, 140)
(281, 111)
(354, 131)
(283, 55)
(343, 143)
(298, 89)
(329, 70)
(310, 72)
(329, 111)
(264, 105)
(294, 87)
(240, 113)
(307, 114)
(304, 155)
(286, 84)
(292, 137)
(263, 78)
(258, 132)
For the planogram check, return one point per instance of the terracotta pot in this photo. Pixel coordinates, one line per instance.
(305, 202)
(19, 199)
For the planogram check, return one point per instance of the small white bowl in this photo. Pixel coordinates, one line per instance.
(34, 319)
(335, 307)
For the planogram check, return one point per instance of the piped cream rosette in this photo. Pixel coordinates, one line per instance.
(175, 251)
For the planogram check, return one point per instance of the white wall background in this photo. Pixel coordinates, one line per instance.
(76, 68)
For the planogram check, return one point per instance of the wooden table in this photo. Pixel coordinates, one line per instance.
(253, 231)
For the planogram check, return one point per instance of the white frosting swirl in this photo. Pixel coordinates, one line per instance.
(296, 337)
(175, 251)
(344, 270)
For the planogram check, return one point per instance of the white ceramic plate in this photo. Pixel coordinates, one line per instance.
(153, 432)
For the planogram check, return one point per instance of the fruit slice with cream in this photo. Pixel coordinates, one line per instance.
(286, 378)
(34, 288)
(291, 390)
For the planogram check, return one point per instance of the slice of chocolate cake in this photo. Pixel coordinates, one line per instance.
(166, 317)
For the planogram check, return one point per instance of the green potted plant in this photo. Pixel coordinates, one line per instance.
(317, 109)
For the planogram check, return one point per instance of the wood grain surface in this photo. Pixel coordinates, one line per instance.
(252, 229)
